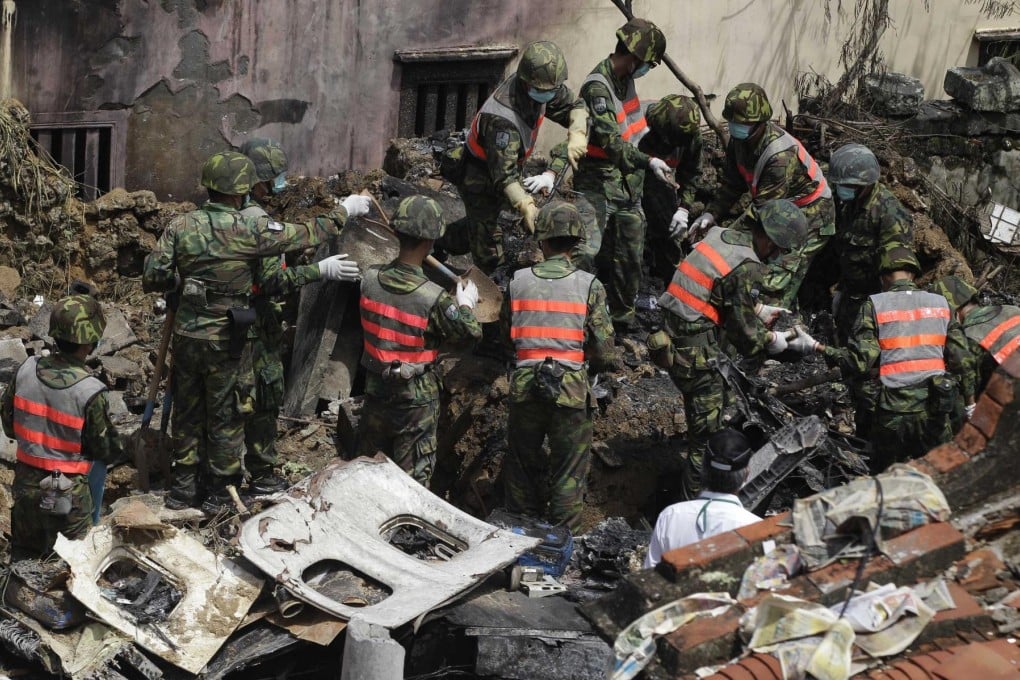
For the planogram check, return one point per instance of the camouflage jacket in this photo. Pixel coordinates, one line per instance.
(448, 322)
(861, 356)
(868, 231)
(504, 148)
(215, 253)
(598, 336)
(688, 160)
(784, 175)
(621, 176)
(100, 440)
(984, 363)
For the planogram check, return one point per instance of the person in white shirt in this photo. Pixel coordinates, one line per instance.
(716, 509)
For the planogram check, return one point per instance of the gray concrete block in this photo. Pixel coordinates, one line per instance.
(371, 654)
(118, 333)
(894, 94)
(992, 87)
(12, 355)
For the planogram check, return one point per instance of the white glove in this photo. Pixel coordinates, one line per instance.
(803, 343)
(970, 410)
(540, 183)
(678, 225)
(661, 170)
(777, 342)
(768, 314)
(339, 268)
(467, 294)
(701, 224)
(356, 205)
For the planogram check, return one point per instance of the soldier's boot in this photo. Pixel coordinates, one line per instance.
(266, 483)
(184, 489)
(217, 497)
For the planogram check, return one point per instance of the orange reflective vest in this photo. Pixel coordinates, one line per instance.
(912, 326)
(394, 324)
(629, 114)
(814, 173)
(1000, 335)
(48, 422)
(494, 106)
(548, 316)
(689, 292)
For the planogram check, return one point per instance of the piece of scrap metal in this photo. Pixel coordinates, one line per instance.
(215, 592)
(330, 528)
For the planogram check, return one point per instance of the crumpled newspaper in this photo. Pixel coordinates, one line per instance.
(770, 572)
(635, 645)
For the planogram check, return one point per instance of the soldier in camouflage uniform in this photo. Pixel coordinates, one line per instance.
(612, 173)
(59, 415)
(406, 317)
(992, 331)
(502, 136)
(214, 252)
(713, 297)
(273, 280)
(674, 135)
(911, 340)
(764, 159)
(555, 318)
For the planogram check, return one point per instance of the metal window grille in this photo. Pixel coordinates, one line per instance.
(998, 42)
(90, 145)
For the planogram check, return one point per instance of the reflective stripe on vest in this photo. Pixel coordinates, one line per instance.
(547, 317)
(912, 327)
(629, 116)
(814, 173)
(689, 292)
(395, 323)
(48, 422)
(1000, 335)
(529, 134)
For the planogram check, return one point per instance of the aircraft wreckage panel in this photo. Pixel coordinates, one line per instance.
(326, 543)
(214, 593)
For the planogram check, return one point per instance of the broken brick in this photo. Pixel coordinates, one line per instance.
(977, 571)
(1011, 366)
(715, 564)
(986, 417)
(999, 389)
(769, 529)
(971, 439)
(701, 642)
(967, 616)
(945, 457)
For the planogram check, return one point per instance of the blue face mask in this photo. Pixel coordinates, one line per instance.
(740, 130)
(641, 70)
(541, 96)
(845, 193)
(279, 182)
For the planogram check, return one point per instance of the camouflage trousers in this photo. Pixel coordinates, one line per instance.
(659, 204)
(260, 428)
(213, 395)
(549, 486)
(33, 532)
(783, 279)
(407, 434)
(479, 231)
(899, 437)
(616, 246)
(704, 393)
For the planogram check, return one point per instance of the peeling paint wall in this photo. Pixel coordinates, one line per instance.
(319, 75)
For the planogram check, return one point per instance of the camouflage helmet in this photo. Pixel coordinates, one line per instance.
(230, 173)
(747, 103)
(78, 319)
(558, 218)
(784, 223)
(673, 117)
(954, 289)
(643, 39)
(420, 217)
(853, 164)
(268, 157)
(542, 66)
(899, 258)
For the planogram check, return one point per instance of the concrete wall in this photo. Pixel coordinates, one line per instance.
(319, 75)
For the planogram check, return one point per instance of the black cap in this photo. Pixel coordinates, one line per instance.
(729, 450)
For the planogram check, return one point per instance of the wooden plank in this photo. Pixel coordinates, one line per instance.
(91, 169)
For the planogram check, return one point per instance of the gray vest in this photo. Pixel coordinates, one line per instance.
(1000, 335)
(548, 317)
(395, 323)
(630, 115)
(912, 326)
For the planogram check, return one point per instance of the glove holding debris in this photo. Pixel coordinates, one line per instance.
(540, 183)
(577, 136)
(776, 343)
(523, 203)
(970, 408)
(339, 268)
(660, 169)
(678, 225)
(768, 314)
(356, 205)
(701, 225)
(467, 294)
(803, 343)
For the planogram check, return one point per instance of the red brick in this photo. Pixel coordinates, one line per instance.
(922, 544)
(921, 465)
(999, 389)
(977, 661)
(799, 587)
(1011, 367)
(711, 553)
(767, 529)
(968, 615)
(986, 416)
(832, 581)
(701, 642)
(946, 457)
(764, 666)
(977, 571)
(970, 439)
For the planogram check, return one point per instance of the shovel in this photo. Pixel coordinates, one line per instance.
(490, 298)
(141, 440)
